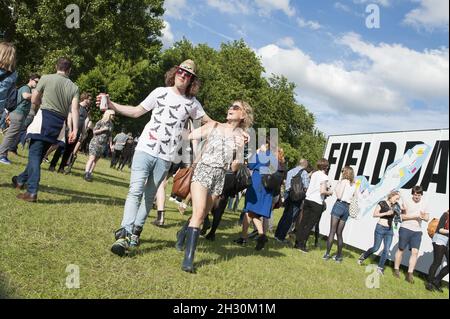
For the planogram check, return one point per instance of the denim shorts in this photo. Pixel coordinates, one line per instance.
(340, 211)
(409, 238)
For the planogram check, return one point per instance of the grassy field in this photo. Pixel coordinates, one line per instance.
(73, 224)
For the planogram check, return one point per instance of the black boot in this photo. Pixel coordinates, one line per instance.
(159, 221)
(181, 237)
(191, 245)
(261, 242)
(206, 226)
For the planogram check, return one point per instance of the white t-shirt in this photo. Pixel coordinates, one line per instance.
(348, 193)
(413, 208)
(313, 192)
(162, 134)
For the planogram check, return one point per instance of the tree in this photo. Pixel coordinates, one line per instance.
(39, 30)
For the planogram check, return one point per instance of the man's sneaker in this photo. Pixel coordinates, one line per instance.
(240, 241)
(361, 259)
(380, 271)
(134, 241)
(337, 259)
(397, 273)
(121, 246)
(326, 257)
(5, 160)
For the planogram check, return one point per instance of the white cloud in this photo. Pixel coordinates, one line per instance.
(341, 90)
(267, 6)
(384, 3)
(175, 8)
(379, 92)
(230, 6)
(313, 25)
(420, 75)
(432, 14)
(167, 35)
(286, 42)
(341, 6)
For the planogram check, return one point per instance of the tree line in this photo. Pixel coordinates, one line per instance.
(117, 49)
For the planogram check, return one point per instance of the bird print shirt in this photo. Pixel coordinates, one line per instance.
(162, 136)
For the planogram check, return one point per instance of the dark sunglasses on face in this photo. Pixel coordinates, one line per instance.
(182, 72)
(235, 107)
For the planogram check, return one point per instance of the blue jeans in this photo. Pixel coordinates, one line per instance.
(291, 211)
(147, 173)
(385, 235)
(32, 174)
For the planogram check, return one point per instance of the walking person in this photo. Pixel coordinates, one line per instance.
(102, 138)
(440, 249)
(345, 190)
(258, 199)
(313, 206)
(171, 107)
(385, 211)
(119, 144)
(292, 207)
(125, 157)
(69, 149)
(224, 147)
(56, 95)
(410, 232)
(8, 78)
(17, 118)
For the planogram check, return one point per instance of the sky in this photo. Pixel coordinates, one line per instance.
(359, 66)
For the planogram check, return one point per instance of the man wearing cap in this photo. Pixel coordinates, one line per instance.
(158, 145)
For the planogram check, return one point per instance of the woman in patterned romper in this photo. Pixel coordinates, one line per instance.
(222, 143)
(102, 136)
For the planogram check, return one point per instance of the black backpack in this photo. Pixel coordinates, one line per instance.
(297, 192)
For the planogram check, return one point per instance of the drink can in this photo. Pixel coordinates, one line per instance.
(103, 103)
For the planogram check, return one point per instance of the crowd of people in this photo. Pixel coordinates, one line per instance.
(60, 119)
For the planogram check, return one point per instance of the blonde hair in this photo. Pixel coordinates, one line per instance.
(348, 174)
(392, 194)
(107, 115)
(248, 115)
(7, 56)
(280, 155)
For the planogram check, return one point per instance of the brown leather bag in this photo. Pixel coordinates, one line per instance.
(182, 179)
(182, 182)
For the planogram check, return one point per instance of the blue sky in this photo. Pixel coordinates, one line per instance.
(353, 78)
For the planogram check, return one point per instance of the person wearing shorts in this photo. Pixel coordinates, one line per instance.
(410, 233)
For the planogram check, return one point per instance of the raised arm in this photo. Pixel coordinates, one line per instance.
(126, 110)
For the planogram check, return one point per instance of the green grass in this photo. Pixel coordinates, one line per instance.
(73, 223)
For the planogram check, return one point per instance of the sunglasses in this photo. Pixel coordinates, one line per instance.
(235, 107)
(184, 73)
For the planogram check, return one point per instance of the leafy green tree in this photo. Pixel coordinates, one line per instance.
(38, 28)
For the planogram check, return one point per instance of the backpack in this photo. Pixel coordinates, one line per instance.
(432, 227)
(297, 192)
